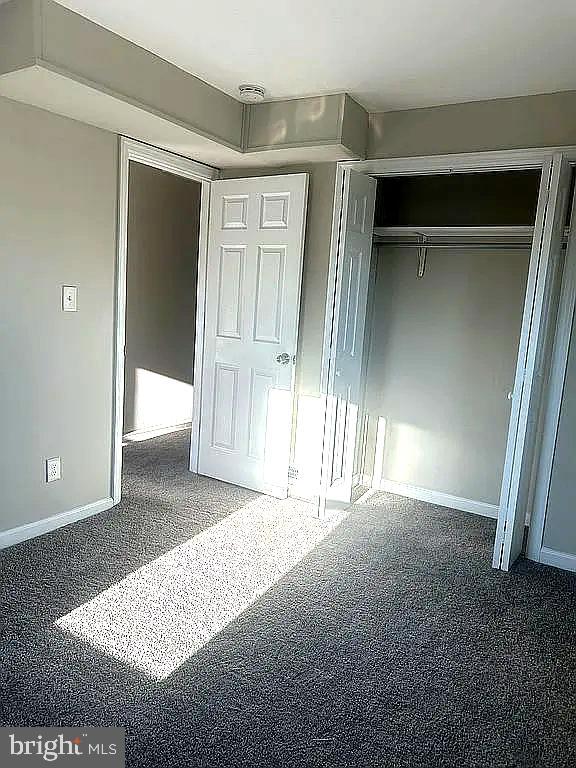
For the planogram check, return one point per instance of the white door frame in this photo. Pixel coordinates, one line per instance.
(559, 361)
(135, 151)
(465, 162)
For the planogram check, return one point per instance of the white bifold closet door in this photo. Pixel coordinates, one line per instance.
(252, 305)
(345, 379)
(532, 370)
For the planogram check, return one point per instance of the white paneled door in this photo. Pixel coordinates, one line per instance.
(345, 381)
(254, 268)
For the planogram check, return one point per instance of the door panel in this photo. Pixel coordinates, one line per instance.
(254, 267)
(269, 294)
(536, 339)
(345, 384)
(225, 406)
(230, 288)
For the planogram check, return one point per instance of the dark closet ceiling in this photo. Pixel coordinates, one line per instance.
(502, 199)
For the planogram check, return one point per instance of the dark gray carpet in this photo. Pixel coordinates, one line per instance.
(392, 644)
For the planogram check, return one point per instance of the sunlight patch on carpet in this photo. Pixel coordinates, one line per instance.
(163, 613)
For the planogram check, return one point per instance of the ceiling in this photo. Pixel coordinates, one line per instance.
(388, 54)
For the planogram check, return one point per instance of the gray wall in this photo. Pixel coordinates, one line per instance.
(560, 526)
(163, 222)
(547, 120)
(314, 121)
(57, 226)
(298, 121)
(441, 364)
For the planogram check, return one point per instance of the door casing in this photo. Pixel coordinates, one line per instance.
(535, 549)
(134, 151)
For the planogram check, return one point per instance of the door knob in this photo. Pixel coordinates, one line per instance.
(283, 358)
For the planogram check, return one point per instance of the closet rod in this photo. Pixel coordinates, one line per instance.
(428, 244)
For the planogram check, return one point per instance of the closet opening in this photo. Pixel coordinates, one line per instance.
(460, 300)
(451, 256)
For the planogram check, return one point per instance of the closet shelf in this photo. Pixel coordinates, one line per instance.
(451, 237)
(492, 232)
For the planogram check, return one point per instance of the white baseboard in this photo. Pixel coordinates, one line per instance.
(146, 434)
(303, 492)
(37, 528)
(557, 559)
(442, 499)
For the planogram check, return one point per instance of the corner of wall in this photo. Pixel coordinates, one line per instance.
(354, 127)
(245, 128)
(19, 22)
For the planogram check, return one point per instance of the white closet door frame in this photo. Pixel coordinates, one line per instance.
(134, 151)
(551, 423)
(542, 159)
(523, 443)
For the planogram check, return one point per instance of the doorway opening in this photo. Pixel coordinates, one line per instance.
(446, 294)
(163, 207)
(162, 248)
(452, 255)
(161, 284)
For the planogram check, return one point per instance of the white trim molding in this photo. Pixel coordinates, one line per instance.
(167, 161)
(555, 394)
(39, 527)
(504, 159)
(201, 277)
(136, 151)
(441, 499)
(558, 559)
(304, 492)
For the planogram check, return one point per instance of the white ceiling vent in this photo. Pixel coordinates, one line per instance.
(251, 94)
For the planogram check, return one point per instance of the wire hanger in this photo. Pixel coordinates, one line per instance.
(422, 252)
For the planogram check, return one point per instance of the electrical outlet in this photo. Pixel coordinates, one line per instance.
(53, 469)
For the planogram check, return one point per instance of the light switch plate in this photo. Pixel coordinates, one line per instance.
(53, 469)
(69, 298)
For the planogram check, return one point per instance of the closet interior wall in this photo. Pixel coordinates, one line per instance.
(441, 349)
